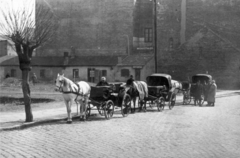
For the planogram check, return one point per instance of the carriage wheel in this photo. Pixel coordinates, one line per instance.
(126, 106)
(108, 109)
(88, 111)
(160, 103)
(100, 110)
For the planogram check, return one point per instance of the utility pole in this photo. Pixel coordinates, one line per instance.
(183, 22)
(128, 49)
(155, 33)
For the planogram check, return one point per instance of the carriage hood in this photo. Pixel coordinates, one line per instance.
(201, 78)
(159, 79)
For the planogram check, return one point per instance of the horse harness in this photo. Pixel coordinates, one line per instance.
(76, 93)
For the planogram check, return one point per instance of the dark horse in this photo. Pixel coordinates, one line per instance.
(137, 89)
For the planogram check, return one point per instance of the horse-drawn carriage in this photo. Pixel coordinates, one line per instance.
(161, 89)
(197, 89)
(105, 98)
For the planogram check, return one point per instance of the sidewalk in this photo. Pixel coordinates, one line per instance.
(15, 120)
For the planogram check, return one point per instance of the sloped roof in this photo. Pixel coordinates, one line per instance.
(93, 61)
(36, 61)
(72, 61)
(5, 58)
(137, 60)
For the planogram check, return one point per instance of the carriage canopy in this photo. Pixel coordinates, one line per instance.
(159, 79)
(201, 78)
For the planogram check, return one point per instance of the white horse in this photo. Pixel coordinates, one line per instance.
(74, 91)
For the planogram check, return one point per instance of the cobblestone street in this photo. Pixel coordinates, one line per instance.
(185, 131)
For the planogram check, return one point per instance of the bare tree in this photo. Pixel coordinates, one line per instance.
(27, 33)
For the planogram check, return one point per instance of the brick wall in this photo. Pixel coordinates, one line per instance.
(212, 44)
(3, 48)
(91, 25)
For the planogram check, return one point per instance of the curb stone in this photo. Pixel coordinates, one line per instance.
(31, 124)
(36, 123)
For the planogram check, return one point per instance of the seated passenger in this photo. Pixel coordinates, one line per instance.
(130, 81)
(103, 82)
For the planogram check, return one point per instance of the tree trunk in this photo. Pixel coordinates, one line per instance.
(26, 94)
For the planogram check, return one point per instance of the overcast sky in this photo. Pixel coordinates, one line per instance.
(13, 5)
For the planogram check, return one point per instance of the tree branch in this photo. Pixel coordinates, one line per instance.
(27, 33)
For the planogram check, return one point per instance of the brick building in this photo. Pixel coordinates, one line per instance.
(95, 27)
(194, 36)
(6, 48)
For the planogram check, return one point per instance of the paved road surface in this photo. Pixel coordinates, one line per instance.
(185, 131)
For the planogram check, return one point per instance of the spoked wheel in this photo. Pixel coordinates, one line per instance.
(100, 110)
(108, 109)
(126, 106)
(88, 111)
(160, 103)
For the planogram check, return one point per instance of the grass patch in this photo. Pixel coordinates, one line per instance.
(20, 101)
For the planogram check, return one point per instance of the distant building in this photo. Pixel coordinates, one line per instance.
(86, 68)
(186, 43)
(90, 27)
(7, 48)
(143, 27)
(193, 37)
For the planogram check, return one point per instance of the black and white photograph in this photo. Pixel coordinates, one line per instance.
(119, 78)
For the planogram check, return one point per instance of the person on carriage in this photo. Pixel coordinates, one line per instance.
(130, 81)
(205, 89)
(103, 82)
(212, 93)
(198, 92)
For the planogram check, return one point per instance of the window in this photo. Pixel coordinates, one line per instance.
(13, 73)
(125, 73)
(75, 73)
(148, 35)
(104, 73)
(42, 73)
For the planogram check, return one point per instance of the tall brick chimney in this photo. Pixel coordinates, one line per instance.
(119, 60)
(66, 58)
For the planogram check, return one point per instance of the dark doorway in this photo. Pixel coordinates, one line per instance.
(137, 74)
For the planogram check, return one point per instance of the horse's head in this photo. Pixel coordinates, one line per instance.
(59, 82)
